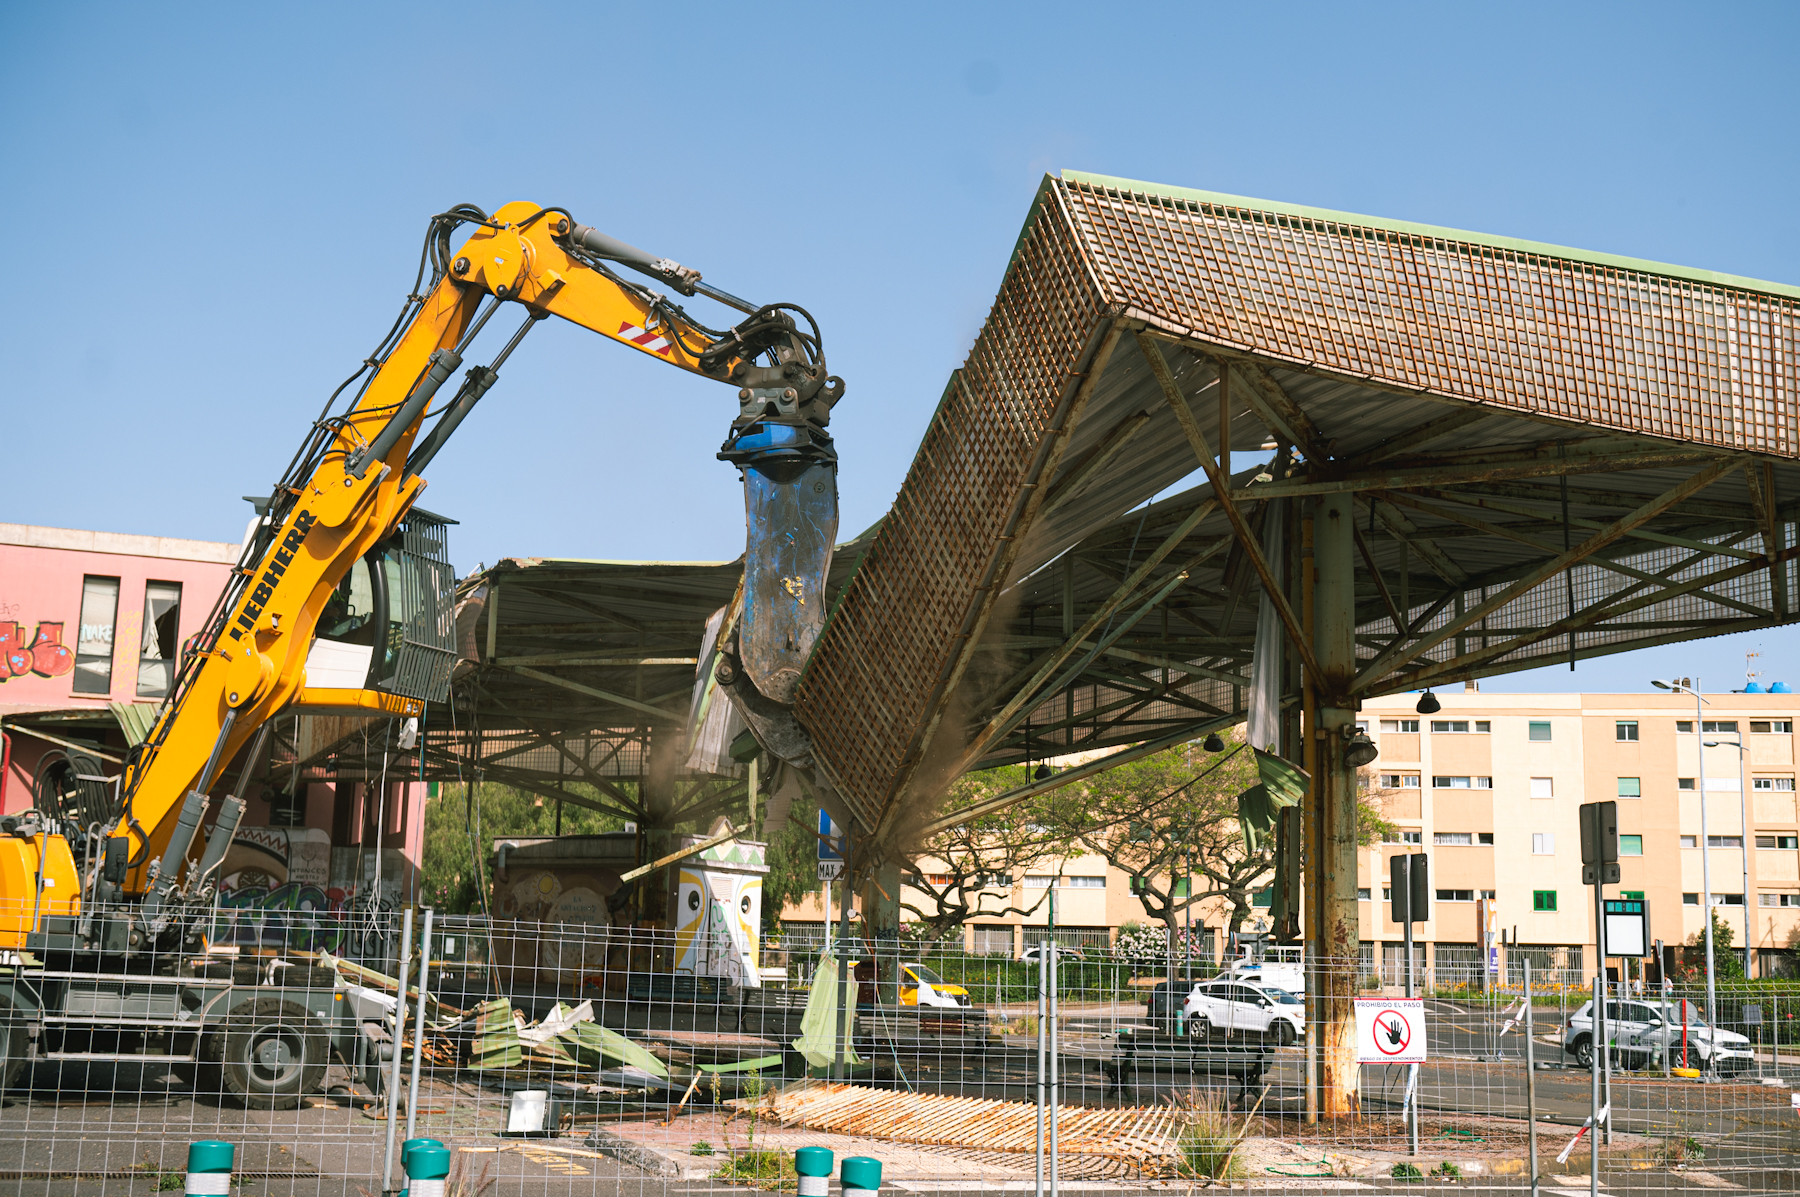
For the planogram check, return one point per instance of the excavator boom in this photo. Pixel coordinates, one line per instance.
(358, 475)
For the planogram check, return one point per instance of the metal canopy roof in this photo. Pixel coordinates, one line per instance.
(1552, 454)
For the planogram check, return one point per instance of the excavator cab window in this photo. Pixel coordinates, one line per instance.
(388, 625)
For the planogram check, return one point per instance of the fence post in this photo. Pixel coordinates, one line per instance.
(1055, 1093)
(412, 1092)
(393, 1093)
(1530, 1080)
(1043, 969)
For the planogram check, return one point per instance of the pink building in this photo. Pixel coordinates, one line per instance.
(92, 630)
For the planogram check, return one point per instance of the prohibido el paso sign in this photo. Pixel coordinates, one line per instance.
(1390, 1030)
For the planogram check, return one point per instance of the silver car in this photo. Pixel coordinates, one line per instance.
(1639, 1035)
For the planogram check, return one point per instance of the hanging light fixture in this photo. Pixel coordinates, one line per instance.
(1359, 750)
(1044, 773)
(1213, 743)
(1428, 704)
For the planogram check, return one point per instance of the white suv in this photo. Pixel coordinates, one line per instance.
(1239, 1008)
(1638, 1033)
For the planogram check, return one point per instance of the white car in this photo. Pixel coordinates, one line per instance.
(1287, 977)
(1638, 1034)
(1239, 1008)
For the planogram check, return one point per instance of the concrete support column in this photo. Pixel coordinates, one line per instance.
(1332, 864)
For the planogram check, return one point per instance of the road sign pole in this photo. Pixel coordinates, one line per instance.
(1594, 1086)
(1412, 1080)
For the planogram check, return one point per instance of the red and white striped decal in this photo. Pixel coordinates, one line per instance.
(654, 342)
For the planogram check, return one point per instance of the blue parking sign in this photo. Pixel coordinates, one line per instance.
(831, 838)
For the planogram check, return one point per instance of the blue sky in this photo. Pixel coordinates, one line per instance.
(217, 210)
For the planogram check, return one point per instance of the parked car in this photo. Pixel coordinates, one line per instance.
(1638, 1033)
(1164, 1002)
(1287, 977)
(920, 986)
(1063, 954)
(1239, 1008)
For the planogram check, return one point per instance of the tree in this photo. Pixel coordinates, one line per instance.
(1726, 963)
(977, 867)
(448, 875)
(1150, 816)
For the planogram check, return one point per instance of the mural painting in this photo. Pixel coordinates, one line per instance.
(275, 891)
(45, 656)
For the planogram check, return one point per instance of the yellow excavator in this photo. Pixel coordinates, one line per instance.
(341, 604)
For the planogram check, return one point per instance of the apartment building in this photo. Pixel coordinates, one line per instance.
(1490, 785)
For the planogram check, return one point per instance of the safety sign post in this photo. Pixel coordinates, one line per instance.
(1390, 1030)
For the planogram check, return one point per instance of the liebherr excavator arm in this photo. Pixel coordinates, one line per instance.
(358, 474)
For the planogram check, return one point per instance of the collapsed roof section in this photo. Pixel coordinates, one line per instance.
(1553, 455)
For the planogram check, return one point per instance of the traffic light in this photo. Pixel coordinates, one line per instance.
(1600, 842)
(1409, 880)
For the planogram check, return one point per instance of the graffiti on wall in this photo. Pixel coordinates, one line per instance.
(45, 656)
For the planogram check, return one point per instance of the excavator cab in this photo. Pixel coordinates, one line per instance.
(389, 625)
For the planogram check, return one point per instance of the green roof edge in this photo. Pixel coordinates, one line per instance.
(1544, 249)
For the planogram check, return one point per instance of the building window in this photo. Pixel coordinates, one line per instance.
(1456, 895)
(1632, 893)
(1039, 881)
(1782, 726)
(1544, 900)
(1684, 783)
(1772, 783)
(1625, 729)
(1778, 899)
(159, 656)
(1452, 837)
(1538, 729)
(1399, 725)
(1484, 837)
(1460, 726)
(1264, 897)
(1085, 882)
(1631, 845)
(1707, 725)
(1462, 783)
(1690, 899)
(1683, 726)
(1399, 781)
(1407, 837)
(1631, 787)
(1778, 841)
(1362, 893)
(941, 879)
(1690, 841)
(1140, 885)
(1728, 899)
(993, 881)
(1543, 843)
(1724, 841)
(1541, 787)
(1180, 888)
(94, 644)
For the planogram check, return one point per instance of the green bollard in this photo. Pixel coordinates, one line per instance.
(814, 1167)
(860, 1176)
(209, 1168)
(426, 1167)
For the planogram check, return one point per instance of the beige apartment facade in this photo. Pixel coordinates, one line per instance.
(1490, 786)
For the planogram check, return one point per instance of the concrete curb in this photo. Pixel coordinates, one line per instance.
(1634, 1159)
(647, 1158)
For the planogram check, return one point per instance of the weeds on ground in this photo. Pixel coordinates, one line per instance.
(1447, 1170)
(1408, 1172)
(1024, 1024)
(460, 1184)
(168, 1182)
(770, 1170)
(1210, 1136)
(701, 1148)
(1682, 1149)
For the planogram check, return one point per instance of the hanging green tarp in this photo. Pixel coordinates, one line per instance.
(1283, 784)
(818, 1026)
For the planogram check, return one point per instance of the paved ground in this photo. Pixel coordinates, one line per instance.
(121, 1129)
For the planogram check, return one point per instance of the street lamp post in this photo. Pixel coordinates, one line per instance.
(1744, 844)
(1712, 1005)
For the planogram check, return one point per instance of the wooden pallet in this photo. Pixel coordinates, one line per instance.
(1137, 1135)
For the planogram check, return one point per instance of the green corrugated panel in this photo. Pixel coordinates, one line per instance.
(135, 719)
(496, 1043)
